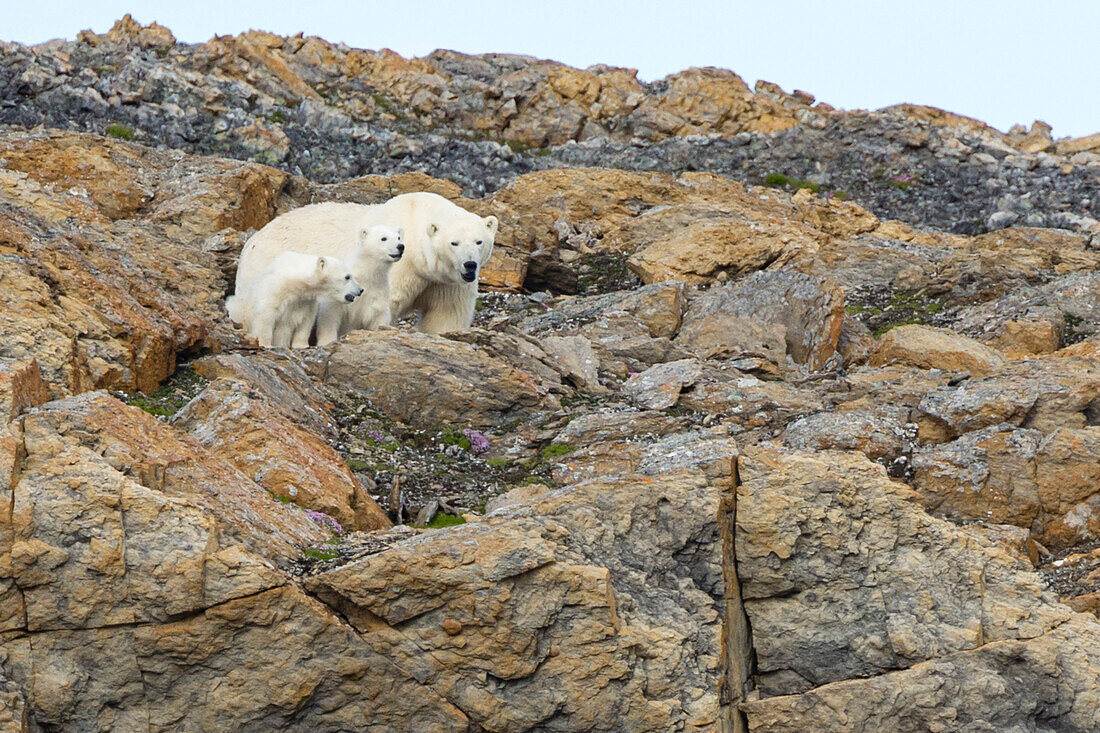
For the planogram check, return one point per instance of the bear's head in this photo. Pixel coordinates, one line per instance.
(333, 280)
(458, 247)
(381, 243)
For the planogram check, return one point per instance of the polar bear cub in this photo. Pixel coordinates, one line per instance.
(279, 306)
(378, 247)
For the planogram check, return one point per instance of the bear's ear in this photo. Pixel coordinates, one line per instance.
(491, 223)
(432, 229)
(400, 233)
(320, 264)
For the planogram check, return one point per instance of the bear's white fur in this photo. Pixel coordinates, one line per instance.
(378, 248)
(278, 307)
(431, 279)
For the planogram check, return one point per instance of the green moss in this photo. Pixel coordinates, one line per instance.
(604, 272)
(170, 397)
(323, 554)
(557, 449)
(355, 464)
(121, 132)
(779, 180)
(382, 102)
(276, 116)
(880, 310)
(266, 157)
(497, 462)
(441, 520)
(1075, 330)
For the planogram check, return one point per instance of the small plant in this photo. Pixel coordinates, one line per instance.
(779, 180)
(441, 520)
(120, 132)
(355, 465)
(901, 181)
(453, 437)
(555, 450)
(478, 442)
(1075, 330)
(497, 462)
(324, 553)
(324, 520)
(170, 397)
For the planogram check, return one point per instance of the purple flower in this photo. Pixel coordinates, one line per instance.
(324, 520)
(376, 435)
(901, 178)
(478, 442)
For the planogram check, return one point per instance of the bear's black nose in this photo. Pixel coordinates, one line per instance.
(470, 265)
(350, 297)
(400, 248)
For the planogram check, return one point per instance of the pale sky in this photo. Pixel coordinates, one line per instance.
(1001, 62)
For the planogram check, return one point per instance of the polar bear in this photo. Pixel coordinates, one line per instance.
(279, 306)
(378, 248)
(445, 248)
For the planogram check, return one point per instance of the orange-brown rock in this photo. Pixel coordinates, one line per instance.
(935, 348)
(274, 450)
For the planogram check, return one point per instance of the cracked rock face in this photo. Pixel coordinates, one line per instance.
(597, 607)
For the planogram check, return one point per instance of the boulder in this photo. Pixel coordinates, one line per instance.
(749, 316)
(430, 381)
(843, 577)
(935, 348)
(275, 451)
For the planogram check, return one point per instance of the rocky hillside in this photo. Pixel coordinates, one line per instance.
(725, 450)
(329, 112)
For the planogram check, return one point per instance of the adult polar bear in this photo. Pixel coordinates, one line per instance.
(445, 247)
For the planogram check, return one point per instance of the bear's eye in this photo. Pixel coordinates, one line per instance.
(347, 277)
(383, 239)
(479, 243)
(454, 244)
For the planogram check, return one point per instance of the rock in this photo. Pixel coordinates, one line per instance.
(1078, 144)
(707, 451)
(1001, 219)
(877, 431)
(1039, 394)
(618, 425)
(728, 319)
(1038, 140)
(628, 331)
(652, 585)
(935, 348)
(162, 460)
(1046, 484)
(545, 272)
(577, 358)
(269, 446)
(986, 475)
(855, 343)
(748, 401)
(96, 318)
(992, 687)
(655, 308)
(698, 243)
(279, 378)
(1065, 305)
(429, 381)
(855, 581)
(660, 386)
